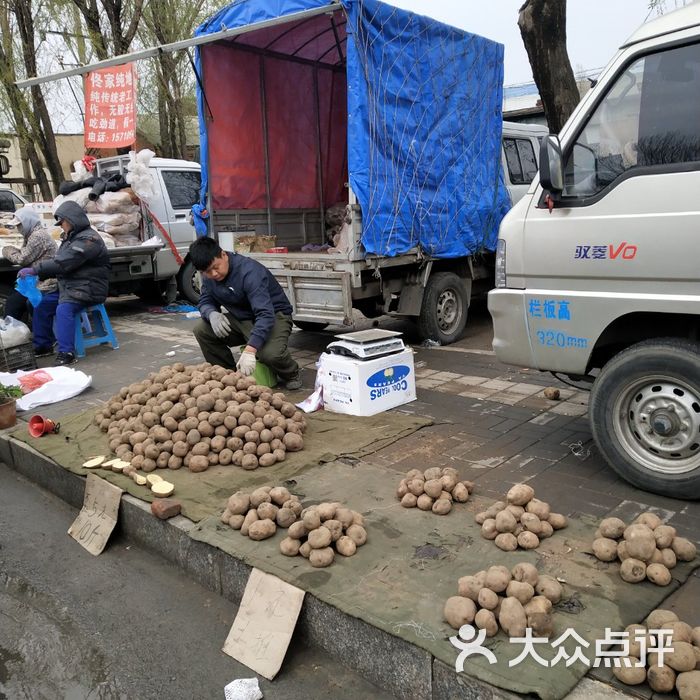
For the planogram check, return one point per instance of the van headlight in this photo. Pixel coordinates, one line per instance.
(501, 264)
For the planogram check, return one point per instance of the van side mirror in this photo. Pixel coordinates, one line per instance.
(551, 167)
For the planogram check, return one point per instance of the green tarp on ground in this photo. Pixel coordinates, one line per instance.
(400, 579)
(328, 436)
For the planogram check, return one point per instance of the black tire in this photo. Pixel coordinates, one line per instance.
(189, 282)
(443, 313)
(645, 416)
(310, 326)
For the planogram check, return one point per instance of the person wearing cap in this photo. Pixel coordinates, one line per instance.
(37, 246)
(81, 267)
(257, 314)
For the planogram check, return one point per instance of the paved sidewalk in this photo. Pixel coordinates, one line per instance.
(491, 422)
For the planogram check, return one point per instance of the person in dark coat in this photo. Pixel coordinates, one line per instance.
(81, 267)
(257, 313)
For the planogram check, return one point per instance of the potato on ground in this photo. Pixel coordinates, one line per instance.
(459, 611)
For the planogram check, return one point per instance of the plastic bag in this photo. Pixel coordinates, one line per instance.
(26, 286)
(13, 332)
(139, 176)
(33, 380)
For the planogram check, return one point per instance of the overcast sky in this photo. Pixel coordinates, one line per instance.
(595, 28)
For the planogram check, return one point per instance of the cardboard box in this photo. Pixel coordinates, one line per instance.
(250, 243)
(367, 387)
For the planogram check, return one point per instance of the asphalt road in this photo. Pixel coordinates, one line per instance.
(126, 624)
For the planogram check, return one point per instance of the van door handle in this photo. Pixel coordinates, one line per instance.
(180, 217)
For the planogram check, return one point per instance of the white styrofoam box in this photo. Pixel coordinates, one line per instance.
(367, 387)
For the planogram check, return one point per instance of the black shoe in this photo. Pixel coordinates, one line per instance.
(293, 383)
(43, 351)
(65, 358)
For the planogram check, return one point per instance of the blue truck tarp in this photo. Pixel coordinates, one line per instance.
(424, 120)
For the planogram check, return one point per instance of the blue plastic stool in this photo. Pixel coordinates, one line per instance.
(92, 327)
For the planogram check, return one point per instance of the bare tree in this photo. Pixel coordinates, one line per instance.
(122, 20)
(543, 29)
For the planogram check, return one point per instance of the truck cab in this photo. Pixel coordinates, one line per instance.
(597, 271)
(10, 201)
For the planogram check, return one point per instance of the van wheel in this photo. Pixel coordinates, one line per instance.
(645, 416)
(158, 292)
(443, 313)
(189, 282)
(310, 326)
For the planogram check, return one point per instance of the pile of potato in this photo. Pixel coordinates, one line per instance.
(324, 530)
(514, 599)
(680, 668)
(199, 416)
(647, 549)
(258, 514)
(434, 489)
(520, 521)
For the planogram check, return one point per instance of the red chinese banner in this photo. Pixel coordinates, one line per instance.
(110, 107)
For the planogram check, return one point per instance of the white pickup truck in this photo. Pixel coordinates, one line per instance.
(597, 268)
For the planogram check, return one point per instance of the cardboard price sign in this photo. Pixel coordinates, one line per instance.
(98, 516)
(265, 622)
(110, 107)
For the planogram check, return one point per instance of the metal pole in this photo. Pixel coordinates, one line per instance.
(319, 157)
(266, 150)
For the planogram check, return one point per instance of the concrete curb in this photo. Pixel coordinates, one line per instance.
(389, 662)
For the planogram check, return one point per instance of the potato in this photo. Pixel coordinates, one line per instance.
(459, 611)
(415, 486)
(495, 508)
(658, 574)
(656, 619)
(321, 558)
(531, 523)
(448, 481)
(622, 552)
(432, 473)
(550, 588)
(267, 460)
(528, 540)
(249, 461)
(460, 493)
(201, 448)
(540, 623)
(524, 592)
(497, 578)
(651, 520)
(250, 518)
(605, 549)
(442, 506)
(239, 503)
(293, 443)
(688, 685)
(506, 541)
(640, 542)
(633, 570)
(433, 487)
(520, 495)
(409, 501)
(481, 518)
(695, 636)
(198, 463)
(320, 537)
(311, 519)
(512, 617)
(285, 517)
(682, 631)
(357, 534)
(470, 586)
(557, 521)
(487, 599)
(682, 658)
(402, 489)
(262, 529)
(538, 604)
(414, 474)
(632, 675)
(297, 530)
(486, 620)
(546, 530)
(236, 521)
(489, 530)
(345, 546)
(683, 548)
(267, 511)
(664, 534)
(505, 521)
(424, 502)
(290, 547)
(539, 508)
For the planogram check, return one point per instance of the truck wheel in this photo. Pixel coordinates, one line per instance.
(443, 313)
(645, 416)
(310, 326)
(189, 282)
(157, 292)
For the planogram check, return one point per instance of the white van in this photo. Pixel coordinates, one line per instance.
(598, 267)
(10, 201)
